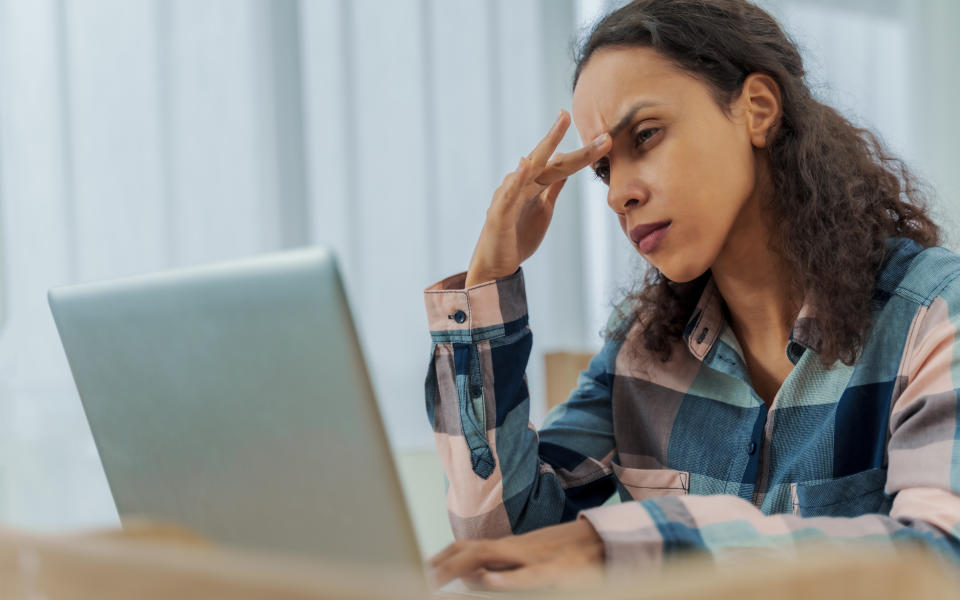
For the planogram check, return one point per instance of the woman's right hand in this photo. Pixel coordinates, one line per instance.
(522, 206)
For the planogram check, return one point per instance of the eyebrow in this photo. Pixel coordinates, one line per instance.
(628, 116)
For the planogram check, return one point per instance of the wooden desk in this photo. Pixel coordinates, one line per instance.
(154, 563)
(168, 563)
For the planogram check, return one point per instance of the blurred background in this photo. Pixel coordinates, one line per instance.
(138, 135)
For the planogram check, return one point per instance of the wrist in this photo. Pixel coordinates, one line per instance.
(589, 540)
(473, 280)
(476, 276)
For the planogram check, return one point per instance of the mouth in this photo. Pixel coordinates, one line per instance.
(648, 236)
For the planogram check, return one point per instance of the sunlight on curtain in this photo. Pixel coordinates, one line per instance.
(137, 135)
(415, 112)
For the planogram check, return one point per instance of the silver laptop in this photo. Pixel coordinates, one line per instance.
(234, 399)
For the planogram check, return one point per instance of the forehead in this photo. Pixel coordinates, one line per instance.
(614, 79)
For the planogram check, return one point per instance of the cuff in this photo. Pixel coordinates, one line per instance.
(631, 538)
(451, 308)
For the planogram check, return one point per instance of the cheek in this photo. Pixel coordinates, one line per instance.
(714, 181)
(704, 187)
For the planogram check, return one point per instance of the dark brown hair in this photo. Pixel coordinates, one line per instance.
(838, 193)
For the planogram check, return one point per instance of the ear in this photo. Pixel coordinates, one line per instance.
(761, 95)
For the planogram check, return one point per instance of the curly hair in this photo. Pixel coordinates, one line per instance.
(838, 193)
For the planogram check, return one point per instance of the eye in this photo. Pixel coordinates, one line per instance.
(645, 135)
(601, 171)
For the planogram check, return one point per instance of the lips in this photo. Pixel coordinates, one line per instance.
(641, 231)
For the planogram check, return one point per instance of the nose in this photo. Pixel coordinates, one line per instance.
(621, 206)
(625, 193)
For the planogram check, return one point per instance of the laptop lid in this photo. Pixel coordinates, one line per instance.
(234, 399)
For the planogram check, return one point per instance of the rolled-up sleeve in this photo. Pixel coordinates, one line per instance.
(501, 478)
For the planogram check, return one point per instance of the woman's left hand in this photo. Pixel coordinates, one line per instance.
(556, 556)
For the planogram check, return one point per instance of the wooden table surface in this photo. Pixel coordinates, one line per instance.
(148, 561)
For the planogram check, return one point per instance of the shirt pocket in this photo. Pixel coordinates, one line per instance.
(640, 484)
(848, 496)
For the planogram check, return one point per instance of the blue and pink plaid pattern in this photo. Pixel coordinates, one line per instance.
(866, 453)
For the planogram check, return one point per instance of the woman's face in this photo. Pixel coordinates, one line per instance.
(677, 159)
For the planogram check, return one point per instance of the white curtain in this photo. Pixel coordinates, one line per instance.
(415, 111)
(137, 135)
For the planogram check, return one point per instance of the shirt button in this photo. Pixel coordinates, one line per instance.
(459, 316)
(752, 448)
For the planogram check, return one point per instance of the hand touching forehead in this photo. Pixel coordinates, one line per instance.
(615, 84)
(679, 163)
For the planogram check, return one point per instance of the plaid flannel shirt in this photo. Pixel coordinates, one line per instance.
(869, 452)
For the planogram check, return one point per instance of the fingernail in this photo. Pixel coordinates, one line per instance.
(600, 140)
(559, 116)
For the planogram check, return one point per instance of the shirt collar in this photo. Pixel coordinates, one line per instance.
(806, 334)
(707, 323)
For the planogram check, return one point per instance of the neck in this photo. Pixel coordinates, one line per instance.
(755, 285)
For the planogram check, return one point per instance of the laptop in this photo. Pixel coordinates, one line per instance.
(234, 399)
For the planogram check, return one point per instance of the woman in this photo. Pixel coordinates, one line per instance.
(787, 371)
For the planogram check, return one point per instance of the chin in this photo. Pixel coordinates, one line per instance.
(679, 271)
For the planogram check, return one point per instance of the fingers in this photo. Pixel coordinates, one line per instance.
(548, 145)
(554, 574)
(462, 559)
(563, 165)
(447, 552)
(541, 575)
(550, 198)
(555, 556)
(536, 173)
(509, 190)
